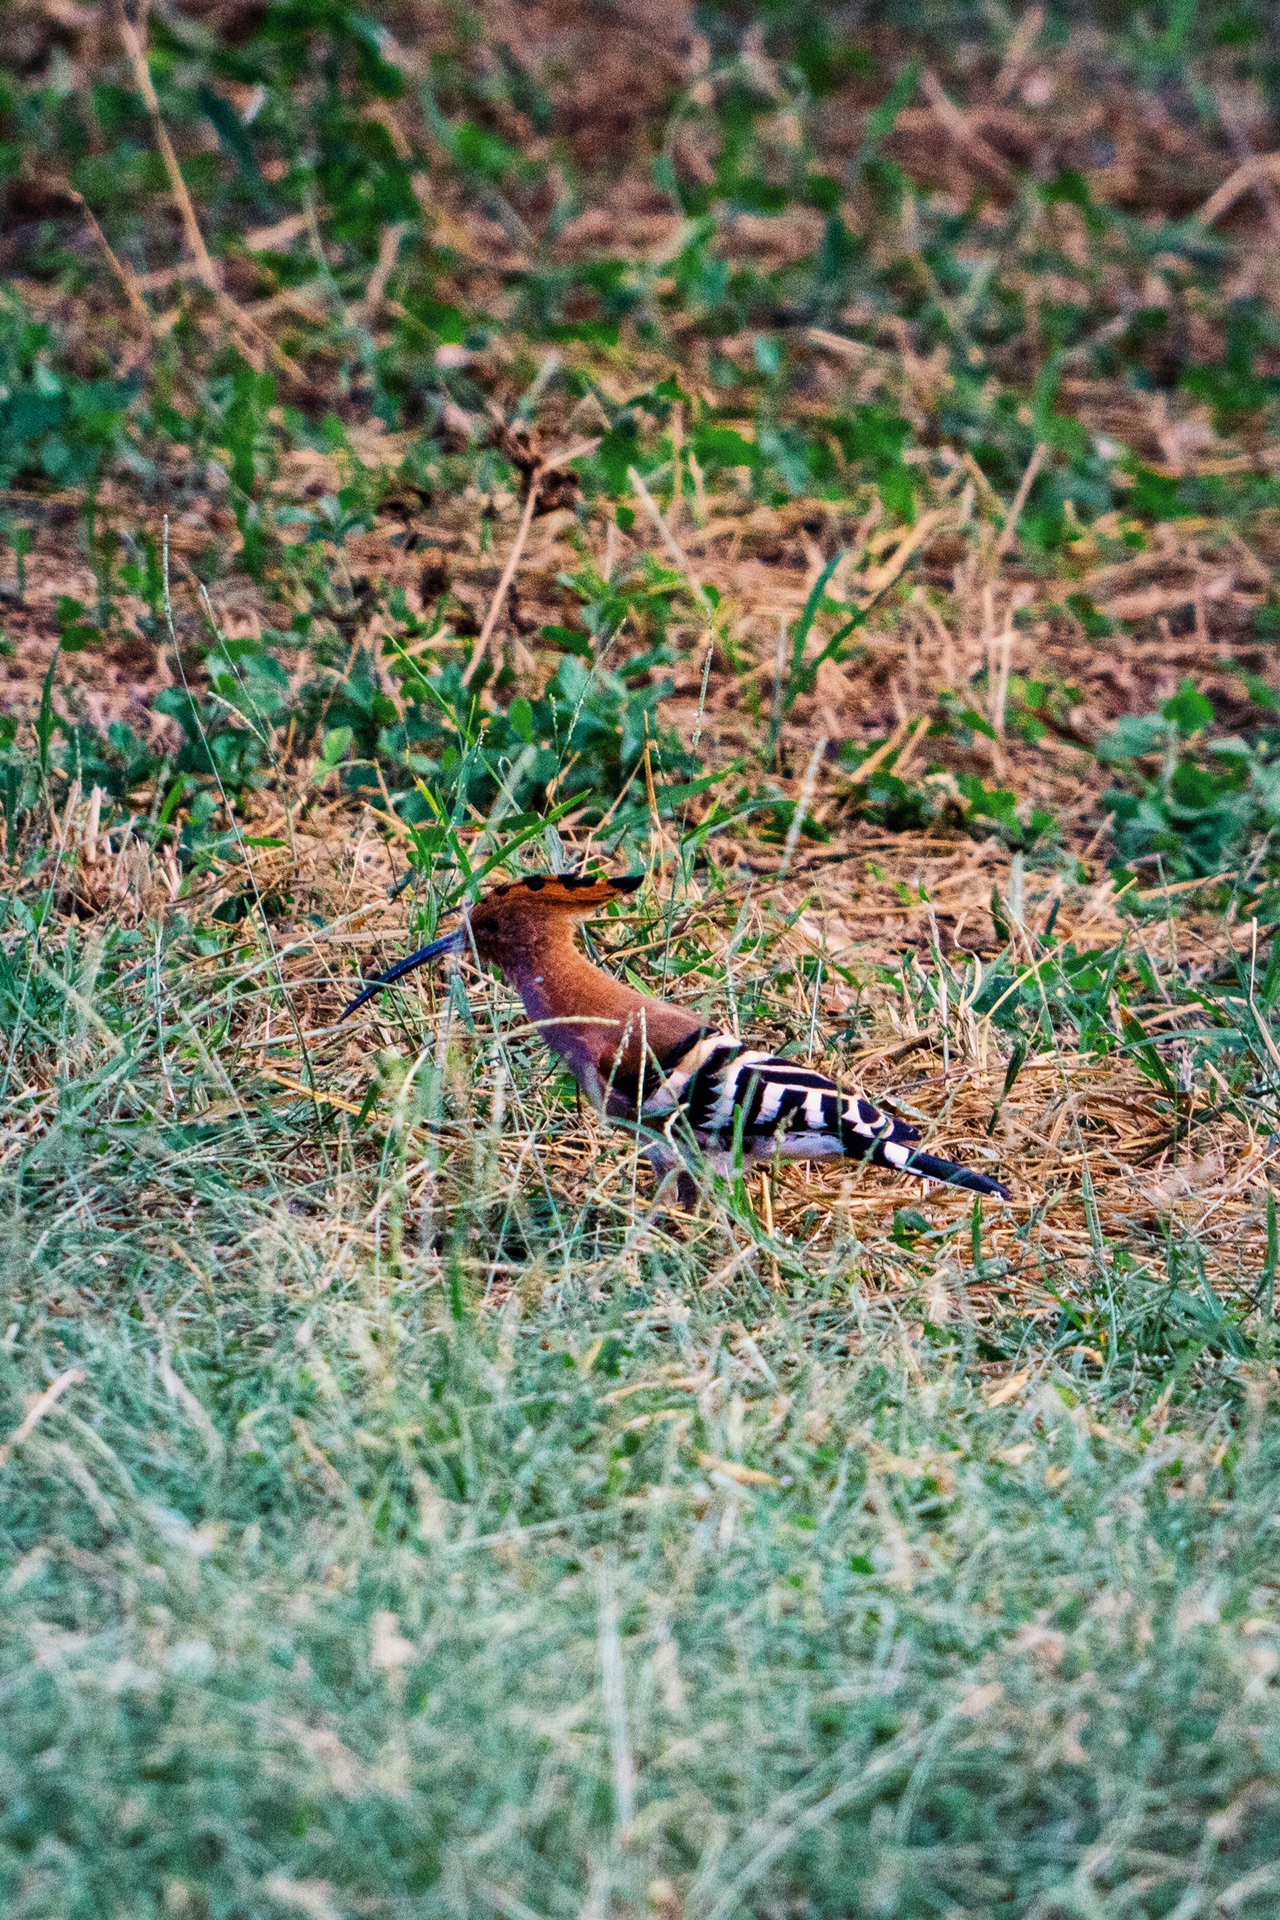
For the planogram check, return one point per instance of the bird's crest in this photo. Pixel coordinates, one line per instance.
(517, 911)
(577, 892)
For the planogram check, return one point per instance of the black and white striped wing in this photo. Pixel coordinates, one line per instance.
(724, 1093)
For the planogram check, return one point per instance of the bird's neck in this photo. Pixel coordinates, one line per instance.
(599, 1027)
(580, 1011)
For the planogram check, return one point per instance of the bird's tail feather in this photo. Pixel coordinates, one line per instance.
(929, 1167)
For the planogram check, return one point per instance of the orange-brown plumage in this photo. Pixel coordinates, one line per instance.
(604, 1030)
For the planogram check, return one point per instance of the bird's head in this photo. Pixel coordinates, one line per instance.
(510, 920)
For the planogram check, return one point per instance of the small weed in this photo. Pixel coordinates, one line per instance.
(1212, 800)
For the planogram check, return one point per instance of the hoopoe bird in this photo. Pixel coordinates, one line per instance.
(686, 1085)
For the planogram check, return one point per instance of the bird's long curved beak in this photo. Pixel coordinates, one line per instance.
(448, 943)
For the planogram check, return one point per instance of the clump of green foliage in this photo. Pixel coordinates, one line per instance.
(1213, 799)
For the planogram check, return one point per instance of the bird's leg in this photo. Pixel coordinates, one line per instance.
(766, 1199)
(666, 1161)
(766, 1211)
(686, 1190)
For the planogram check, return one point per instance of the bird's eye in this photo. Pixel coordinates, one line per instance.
(488, 926)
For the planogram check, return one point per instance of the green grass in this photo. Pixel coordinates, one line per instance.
(431, 1532)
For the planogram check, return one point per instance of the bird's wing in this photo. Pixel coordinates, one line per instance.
(728, 1096)
(724, 1091)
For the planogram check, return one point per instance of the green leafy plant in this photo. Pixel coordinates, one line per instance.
(586, 736)
(55, 426)
(956, 799)
(1209, 803)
